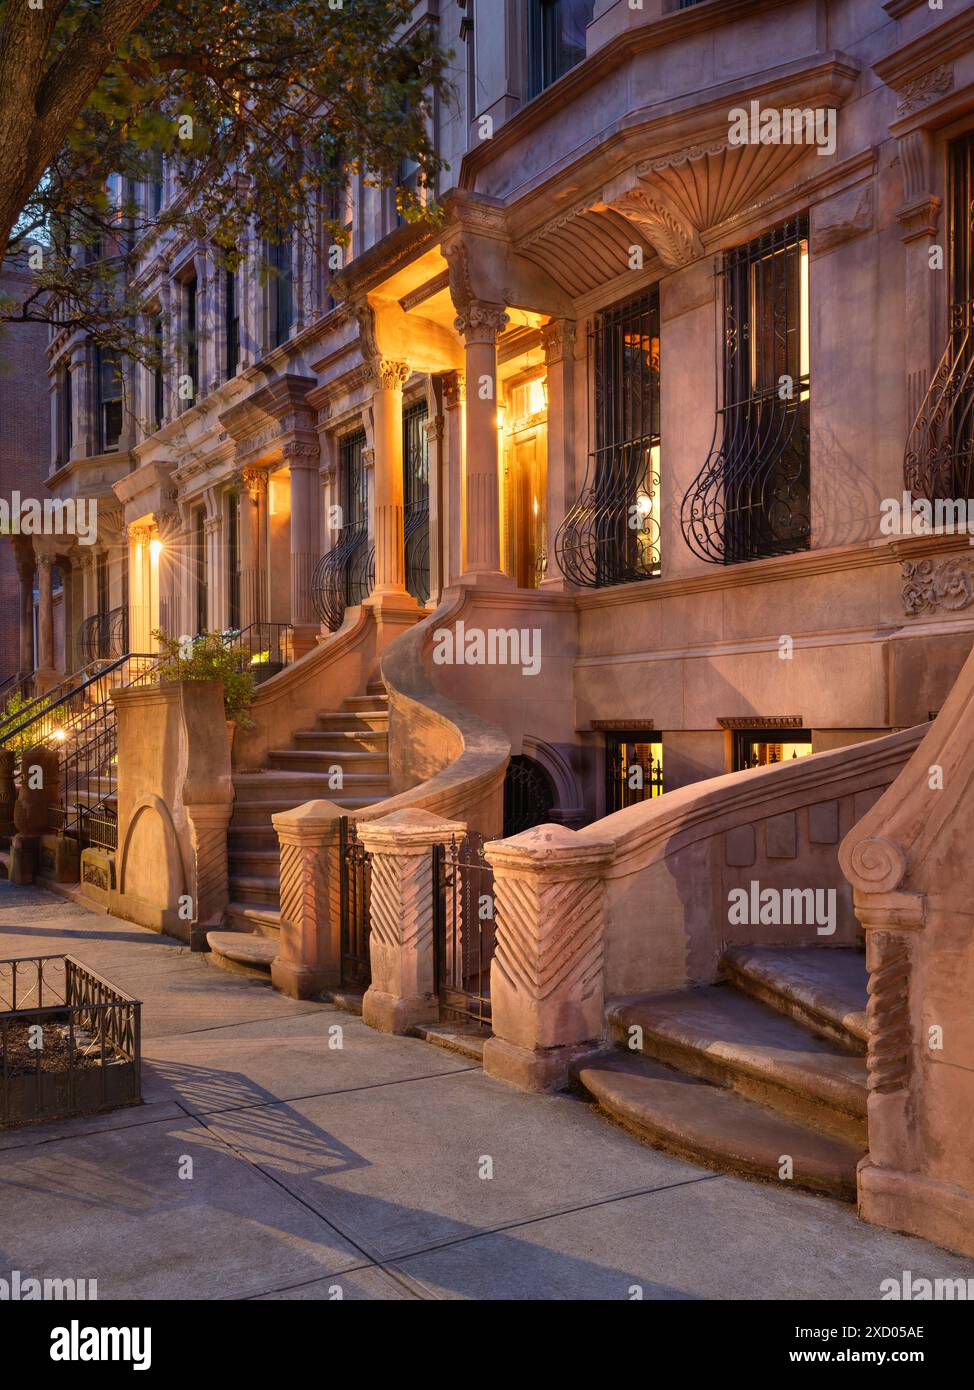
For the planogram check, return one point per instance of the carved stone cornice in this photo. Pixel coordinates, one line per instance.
(919, 219)
(301, 453)
(481, 322)
(925, 89)
(762, 721)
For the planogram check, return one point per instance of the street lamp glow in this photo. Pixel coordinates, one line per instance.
(155, 549)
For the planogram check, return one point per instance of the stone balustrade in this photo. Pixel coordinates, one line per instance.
(908, 861)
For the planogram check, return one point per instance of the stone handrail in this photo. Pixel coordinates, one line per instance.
(639, 902)
(909, 863)
(291, 699)
(444, 760)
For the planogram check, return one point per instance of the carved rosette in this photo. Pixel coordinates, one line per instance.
(928, 586)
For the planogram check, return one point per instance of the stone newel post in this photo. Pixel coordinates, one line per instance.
(546, 976)
(310, 956)
(403, 988)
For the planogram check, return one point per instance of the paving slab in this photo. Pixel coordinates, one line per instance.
(112, 1207)
(716, 1239)
(368, 1283)
(243, 1065)
(425, 1149)
(55, 1130)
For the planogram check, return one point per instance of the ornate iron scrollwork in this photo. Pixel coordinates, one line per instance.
(612, 533)
(751, 498)
(346, 575)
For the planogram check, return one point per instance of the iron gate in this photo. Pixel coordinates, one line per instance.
(463, 929)
(355, 882)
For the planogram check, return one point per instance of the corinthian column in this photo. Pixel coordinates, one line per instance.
(253, 508)
(390, 564)
(479, 325)
(303, 464)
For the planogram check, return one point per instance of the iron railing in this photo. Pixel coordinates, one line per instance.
(612, 533)
(528, 796)
(751, 498)
(265, 648)
(346, 575)
(104, 636)
(633, 770)
(416, 500)
(91, 1036)
(355, 886)
(463, 929)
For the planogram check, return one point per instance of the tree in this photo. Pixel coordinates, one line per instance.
(264, 108)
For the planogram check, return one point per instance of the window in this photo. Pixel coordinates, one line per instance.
(156, 187)
(751, 500)
(109, 385)
(345, 575)
(281, 290)
(233, 561)
(232, 326)
(190, 310)
(199, 566)
(612, 533)
(416, 495)
(633, 768)
(762, 747)
(556, 38)
(65, 415)
(939, 460)
(158, 375)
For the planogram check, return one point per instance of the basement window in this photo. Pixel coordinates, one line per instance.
(633, 768)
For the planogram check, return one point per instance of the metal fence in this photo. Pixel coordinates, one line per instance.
(70, 1042)
(463, 929)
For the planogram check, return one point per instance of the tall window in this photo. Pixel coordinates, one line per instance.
(633, 768)
(199, 566)
(233, 561)
(65, 415)
(191, 316)
(158, 375)
(939, 461)
(232, 324)
(156, 186)
(556, 38)
(281, 290)
(751, 500)
(416, 495)
(612, 533)
(109, 385)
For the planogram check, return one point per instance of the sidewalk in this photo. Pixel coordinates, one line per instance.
(356, 1171)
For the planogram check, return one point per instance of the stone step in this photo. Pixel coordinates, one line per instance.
(364, 705)
(716, 1127)
(340, 741)
(256, 888)
(332, 722)
(262, 836)
(726, 1037)
(256, 815)
(256, 918)
(822, 987)
(320, 760)
(242, 952)
(265, 860)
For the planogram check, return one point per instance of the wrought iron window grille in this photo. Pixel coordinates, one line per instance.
(612, 533)
(939, 460)
(416, 500)
(346, 575)
(751, 499)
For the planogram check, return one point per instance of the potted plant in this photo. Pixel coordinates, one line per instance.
(211, 657)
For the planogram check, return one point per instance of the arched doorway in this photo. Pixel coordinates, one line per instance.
(528, 795)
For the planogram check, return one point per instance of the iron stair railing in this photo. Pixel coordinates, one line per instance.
(104, 636)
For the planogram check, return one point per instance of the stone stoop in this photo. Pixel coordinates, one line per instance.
(355, 738)
(739, 1075)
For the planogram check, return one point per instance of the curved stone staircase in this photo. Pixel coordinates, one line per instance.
(743, 1074)
(353, 738)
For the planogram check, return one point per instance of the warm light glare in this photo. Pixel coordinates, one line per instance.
(803, 274)
(155, 550)
(59, 735)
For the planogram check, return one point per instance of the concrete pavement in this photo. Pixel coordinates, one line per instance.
(285, 1150)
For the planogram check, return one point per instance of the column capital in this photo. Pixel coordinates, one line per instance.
(255, 481)
(454, 389)
(139, 533)
(388, 374)
(557, 340)
(481, 322)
